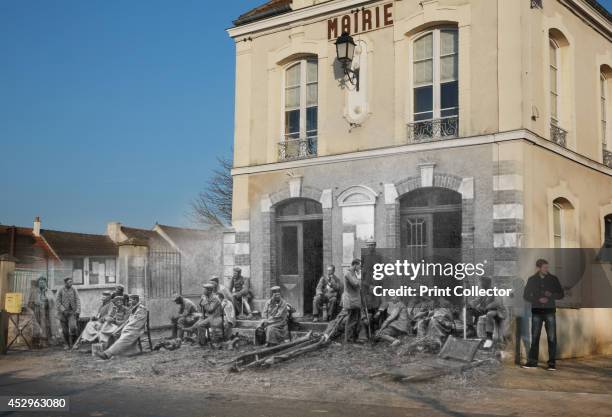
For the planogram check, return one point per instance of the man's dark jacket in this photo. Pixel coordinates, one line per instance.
(535, 289)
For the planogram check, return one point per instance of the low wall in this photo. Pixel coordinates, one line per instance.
(580, 332)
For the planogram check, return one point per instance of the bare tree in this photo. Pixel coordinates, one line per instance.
(213, 205)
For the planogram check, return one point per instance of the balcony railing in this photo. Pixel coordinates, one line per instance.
(291, 149)
(558, 135)
(607, 158)
(435, 129)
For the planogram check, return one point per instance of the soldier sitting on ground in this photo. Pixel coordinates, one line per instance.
(487, 306)
(438, 324)
(273, 330)
(186, 317)
(133, 329)
(396, 323)
(91, 333)
(418, 310)
(328, 292)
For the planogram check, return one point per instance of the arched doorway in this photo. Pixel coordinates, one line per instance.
(430, 218)
(299, 248)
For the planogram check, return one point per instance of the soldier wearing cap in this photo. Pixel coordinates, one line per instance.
(274, 324)
(219, 288)
(351, 301)
(91, 333)
(130, 333)
(241, 293)
(187, 315)
(328, 291)
(119, 291)
(69, 307)
(228, 316)
(211, 320)
(119, 313)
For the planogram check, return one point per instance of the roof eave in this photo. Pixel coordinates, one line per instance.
(275, 11)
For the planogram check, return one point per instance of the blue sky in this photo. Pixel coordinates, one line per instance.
(113, 110)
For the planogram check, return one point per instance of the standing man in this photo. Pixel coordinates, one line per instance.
(274, 324)
(241, 293)
(228, 315)
(370, 258)
(329, 289)
(69, 308)
(130, 333)
(186, 316)
(42, 303)
(351, 301)
(542, 290)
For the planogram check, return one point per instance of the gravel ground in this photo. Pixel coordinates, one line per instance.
(340, 374)
(335, 373)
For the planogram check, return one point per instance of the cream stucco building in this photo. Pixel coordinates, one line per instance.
(477, 124)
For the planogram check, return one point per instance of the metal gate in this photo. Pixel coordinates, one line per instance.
(164, 274)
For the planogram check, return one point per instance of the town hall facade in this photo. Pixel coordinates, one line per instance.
(458, 124)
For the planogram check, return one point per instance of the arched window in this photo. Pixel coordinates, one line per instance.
(564, 230)
(435, 84)
(301, 99)
(560, 94)
(300, 110)
(608, 231)
(558, 224)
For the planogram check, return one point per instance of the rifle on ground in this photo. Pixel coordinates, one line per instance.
(367, 313)
(223, 319)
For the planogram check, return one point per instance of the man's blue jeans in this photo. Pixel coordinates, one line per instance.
(550, 324)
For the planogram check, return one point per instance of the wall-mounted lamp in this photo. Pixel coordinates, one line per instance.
(345, 50)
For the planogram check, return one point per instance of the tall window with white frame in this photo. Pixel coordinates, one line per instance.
(603, 84)
(554, 82)
(606, 150)
(435, 85)
(300, 110)
(557, 224)
(557, 133)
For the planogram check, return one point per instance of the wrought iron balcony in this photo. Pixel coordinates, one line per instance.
(607, 158)
(558, 135)
(291, 149)
(434, 129)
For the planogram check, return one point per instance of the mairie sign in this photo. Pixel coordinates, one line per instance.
(360, 20)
